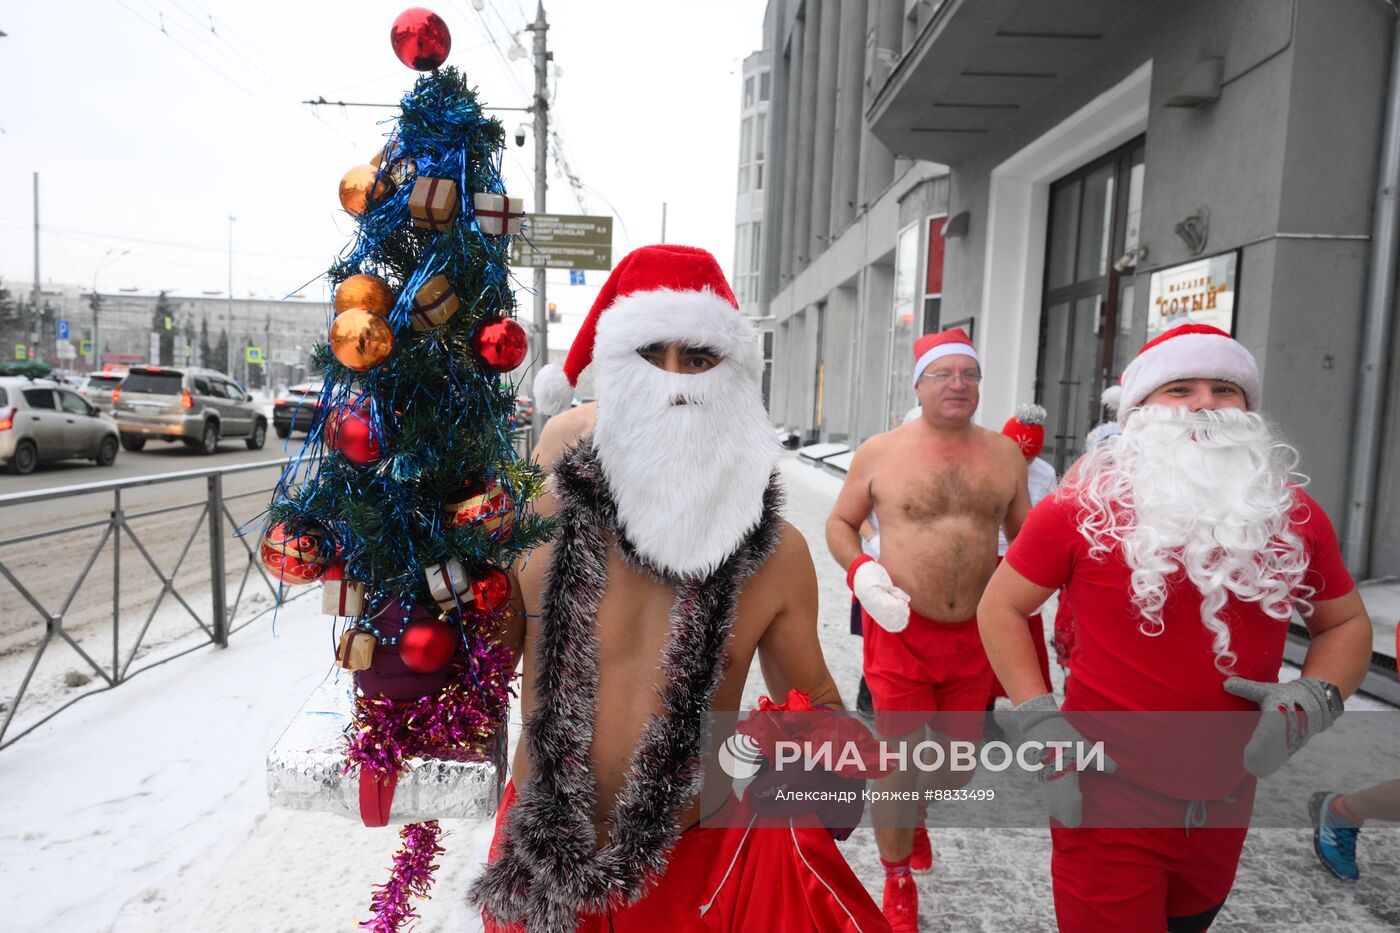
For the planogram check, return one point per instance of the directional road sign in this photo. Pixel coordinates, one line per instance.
(564, 241)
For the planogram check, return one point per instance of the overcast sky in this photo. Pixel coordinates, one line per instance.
(147, 140)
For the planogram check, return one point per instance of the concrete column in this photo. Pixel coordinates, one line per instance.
(838, 337)
(850, 94)
(787, 264)
(776, 157)
(806, 133)
(811, 359)
(886, 19)
(876, 306)
(824, 131)
(782, 364)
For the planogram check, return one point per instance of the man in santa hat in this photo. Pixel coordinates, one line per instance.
(1185, 544)
(670, 570)
(940, 487)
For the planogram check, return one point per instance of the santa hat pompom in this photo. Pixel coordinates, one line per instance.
(1112, 397)
(1030, 413)
(553, 393)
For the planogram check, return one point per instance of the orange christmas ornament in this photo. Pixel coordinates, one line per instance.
(364, 291)
(358, 187)
(361, 339)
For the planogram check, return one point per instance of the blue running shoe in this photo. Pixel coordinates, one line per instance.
(1334, 839)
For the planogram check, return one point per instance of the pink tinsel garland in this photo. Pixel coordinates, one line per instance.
(464, 714)
(411, 876)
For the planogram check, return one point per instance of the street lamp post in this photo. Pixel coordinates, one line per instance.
(228, 324)
(102, 263)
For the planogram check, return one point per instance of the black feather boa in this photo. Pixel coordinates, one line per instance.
(549, 869)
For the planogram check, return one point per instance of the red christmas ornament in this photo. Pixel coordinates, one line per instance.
(348, 431)
(420, 39)
(295, 557)
(492, 592)
(427, 645)
(500, 345)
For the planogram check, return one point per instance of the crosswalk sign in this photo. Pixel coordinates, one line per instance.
(254, 354)
(85, 347)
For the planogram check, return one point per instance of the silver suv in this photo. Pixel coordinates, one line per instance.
(41, 420)
(197, 406)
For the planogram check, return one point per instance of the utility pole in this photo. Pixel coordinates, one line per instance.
(35, 298)
(663, 221)
(229, 315)
(541, 107)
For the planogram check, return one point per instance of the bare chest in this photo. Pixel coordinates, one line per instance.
(922, 489)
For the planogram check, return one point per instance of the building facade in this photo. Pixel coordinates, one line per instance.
(124, 328)
(1113, 168)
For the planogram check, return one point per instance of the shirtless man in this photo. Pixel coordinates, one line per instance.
(941, 487)
(670, 570)
(561, 432)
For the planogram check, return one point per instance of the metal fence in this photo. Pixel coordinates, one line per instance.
(212, 522)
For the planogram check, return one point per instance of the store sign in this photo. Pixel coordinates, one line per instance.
(1198, 292)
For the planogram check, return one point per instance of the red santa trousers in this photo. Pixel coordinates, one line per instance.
(777, 876)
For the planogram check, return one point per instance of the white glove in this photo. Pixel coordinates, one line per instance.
(886, 603)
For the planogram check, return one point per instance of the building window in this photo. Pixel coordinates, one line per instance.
(904, 324)
(764, 86)
(758, 151)
(745, 150)
(748, 92)
(933, 276)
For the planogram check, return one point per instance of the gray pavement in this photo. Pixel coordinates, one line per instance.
(998, 880)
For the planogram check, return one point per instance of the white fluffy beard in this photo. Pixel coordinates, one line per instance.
(1206, 492)
(687, 458)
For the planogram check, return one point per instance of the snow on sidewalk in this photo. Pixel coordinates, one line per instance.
(144, 809)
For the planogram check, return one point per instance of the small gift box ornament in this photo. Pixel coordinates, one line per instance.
(339, 596)
(433, 203)
(356, 650)
(449, 583)
(433, 304)
(498, 213)
(306, 770)
(487, 506)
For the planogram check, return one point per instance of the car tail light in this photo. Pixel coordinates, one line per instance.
(281, 403)
(7, 419)
(117, 394)
(186, 399)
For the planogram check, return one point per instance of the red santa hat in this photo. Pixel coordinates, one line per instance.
(656, 294)
(931, 347)
(1027, 429)
(1190, 351)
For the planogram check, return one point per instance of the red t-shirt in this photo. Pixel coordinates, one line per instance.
(1196, 756)
(1116, 666)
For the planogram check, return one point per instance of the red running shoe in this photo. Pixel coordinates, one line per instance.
(901, 905)
(921, 860)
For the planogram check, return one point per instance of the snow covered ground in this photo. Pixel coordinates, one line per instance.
(144, 809)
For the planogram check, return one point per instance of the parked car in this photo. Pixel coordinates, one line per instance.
(97, 389)
(197, 406)
(296, 409)
(41, 421)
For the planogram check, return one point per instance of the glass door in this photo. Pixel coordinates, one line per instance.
(1086, 311)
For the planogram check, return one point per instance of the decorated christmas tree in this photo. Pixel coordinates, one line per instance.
(408, 500)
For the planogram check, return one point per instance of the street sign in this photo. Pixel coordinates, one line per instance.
(62, 328)
(253, 354)
(65, 350)
(85, 347)
(576, 277)
(564, 241)
(21, 352)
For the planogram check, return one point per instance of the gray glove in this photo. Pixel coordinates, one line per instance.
(1306, 710)
(1039, 720)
